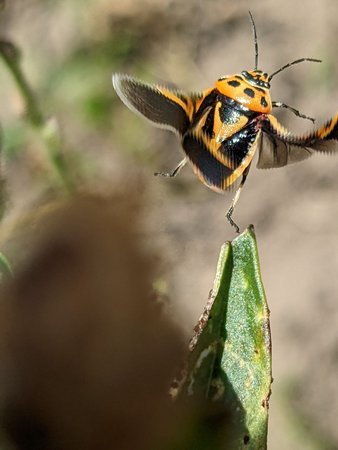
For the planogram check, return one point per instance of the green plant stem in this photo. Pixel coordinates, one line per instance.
(11, 58)
(34, 115)
(5, 267)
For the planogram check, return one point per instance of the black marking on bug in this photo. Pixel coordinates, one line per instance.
(238, 145)
(233, 104)
(234, 83)
(229, 115)
(264, 102)
(249, 92)
(209, 101)
(214, 172)
(260, 90)
(208, 127)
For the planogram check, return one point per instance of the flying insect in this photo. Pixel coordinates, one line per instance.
(223, 127)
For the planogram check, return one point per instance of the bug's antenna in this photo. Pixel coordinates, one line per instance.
(255, 39)
(297, 61)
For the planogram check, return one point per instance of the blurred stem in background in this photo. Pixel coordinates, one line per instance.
(5, 267)
(48, 127)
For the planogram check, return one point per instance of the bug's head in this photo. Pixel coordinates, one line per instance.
(251, 88)
(257, 78)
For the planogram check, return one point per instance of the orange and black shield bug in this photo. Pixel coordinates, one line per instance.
(223, 127)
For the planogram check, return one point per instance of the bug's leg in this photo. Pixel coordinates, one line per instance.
(235, 200)
(173, 173)
(295, 111)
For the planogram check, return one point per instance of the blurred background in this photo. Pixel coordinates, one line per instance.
(69, 50)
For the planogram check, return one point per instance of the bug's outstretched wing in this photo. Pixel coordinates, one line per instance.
(162, 106)
(218, 165)
(279, 147)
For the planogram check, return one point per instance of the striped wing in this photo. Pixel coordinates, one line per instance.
(279, 147)
(162, 106)
(218, 165)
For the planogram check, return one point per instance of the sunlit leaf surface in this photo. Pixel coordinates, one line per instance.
(230, 362)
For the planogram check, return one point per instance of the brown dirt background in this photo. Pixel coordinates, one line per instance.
(294, 209)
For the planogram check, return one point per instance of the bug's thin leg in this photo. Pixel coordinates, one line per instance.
(173, 173)
(235, 200)
(295, 111)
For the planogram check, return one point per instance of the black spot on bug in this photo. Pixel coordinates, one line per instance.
(246, 439)
(249, 92)
(234, 83)
(264, 102)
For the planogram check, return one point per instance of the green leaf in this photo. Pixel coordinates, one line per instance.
(230, 361)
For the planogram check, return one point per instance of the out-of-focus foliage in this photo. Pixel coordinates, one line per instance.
(87, 355)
